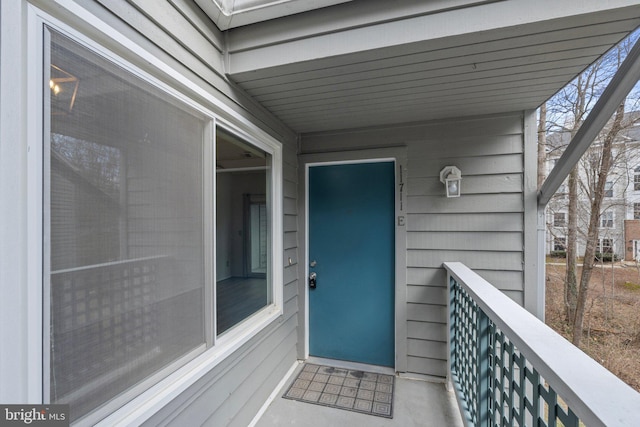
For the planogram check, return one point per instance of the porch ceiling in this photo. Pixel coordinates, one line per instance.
(362, 64)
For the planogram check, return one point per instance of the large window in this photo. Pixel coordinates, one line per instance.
(132, 288)
(606, 219)
(242, 234)
(636, 179)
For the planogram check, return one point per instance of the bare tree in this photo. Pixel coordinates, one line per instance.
(594, 223)
(571, 278)
(587, 182)
(542, 143)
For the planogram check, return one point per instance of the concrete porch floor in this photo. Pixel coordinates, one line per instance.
(416, 403)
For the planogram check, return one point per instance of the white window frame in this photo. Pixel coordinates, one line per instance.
(610, 217)
(126, 54)
(608, 189)
(557, 240)
(600, 248)
(564, 219)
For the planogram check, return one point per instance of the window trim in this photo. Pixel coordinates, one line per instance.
(600, 247)
(636, 210)
(558, 239)
(608, 192)
(610, 217)
(126, 53)
(562, 223)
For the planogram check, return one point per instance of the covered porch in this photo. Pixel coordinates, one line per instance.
(421, 85)
(506, 368)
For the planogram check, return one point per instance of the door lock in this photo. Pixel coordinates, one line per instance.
(312, 280)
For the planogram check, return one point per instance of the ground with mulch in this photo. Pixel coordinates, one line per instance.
(612, 316)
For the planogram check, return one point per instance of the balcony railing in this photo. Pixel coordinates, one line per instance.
(509, 369)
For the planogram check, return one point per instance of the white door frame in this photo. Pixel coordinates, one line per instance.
(399, 156)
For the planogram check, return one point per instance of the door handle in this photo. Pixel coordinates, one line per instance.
(312, 280)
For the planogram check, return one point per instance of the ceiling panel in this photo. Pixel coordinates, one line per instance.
(495, 71)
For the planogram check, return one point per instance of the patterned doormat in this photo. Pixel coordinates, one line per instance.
(353, 390)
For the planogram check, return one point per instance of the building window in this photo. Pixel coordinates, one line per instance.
(605, 246)
(608, 189)
(636, 178)
(636, 211)
(132, 291)
(606, 219)
(559, 243)
(559, 219)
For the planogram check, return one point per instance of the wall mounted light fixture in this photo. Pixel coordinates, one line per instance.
(451, 177)
(64, 90)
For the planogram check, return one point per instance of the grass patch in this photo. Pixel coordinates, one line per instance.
(631, 286)
(612, 320)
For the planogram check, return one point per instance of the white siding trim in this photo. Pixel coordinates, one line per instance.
(35, 315)
(274, 395)
(533, 270)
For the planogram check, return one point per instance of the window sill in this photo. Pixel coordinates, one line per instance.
(145, 405)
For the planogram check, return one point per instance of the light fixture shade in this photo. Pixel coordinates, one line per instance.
(451, 177)
(64, 90)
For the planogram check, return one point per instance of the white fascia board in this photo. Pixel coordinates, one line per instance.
(332, 32)
(215, 11)
(234, 13)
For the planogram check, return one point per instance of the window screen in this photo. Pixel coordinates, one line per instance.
(124, 220)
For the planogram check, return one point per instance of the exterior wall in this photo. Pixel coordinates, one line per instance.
(615, 233)
(620, 204)
(631, 233)
(485, 228)
(233, 391)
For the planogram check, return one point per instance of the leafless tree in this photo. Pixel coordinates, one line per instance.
(565, 113)
(542, 143)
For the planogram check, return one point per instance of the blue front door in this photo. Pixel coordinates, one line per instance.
(351, 251)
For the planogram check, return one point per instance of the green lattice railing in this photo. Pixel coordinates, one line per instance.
(509, 369)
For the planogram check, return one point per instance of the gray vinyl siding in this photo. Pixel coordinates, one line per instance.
(483, 229)
(181, 35)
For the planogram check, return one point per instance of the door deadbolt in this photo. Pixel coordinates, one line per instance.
(312, 280)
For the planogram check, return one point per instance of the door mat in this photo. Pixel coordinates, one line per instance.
(359, 391)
